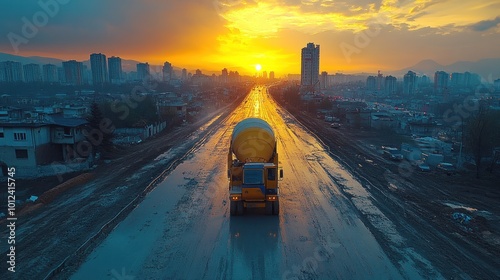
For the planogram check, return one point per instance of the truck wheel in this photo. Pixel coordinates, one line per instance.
(269, 208)
(276, 207)
(232, 208)
(239, 208)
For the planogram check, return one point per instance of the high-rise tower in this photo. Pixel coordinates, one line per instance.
(310, 67)
(167, 71)
(99, 67)
(143, 71)
(32, 73)
(11, 71)
(49, 73)
(73, 72)
(410, 83)
(115, 70)
(441, 80)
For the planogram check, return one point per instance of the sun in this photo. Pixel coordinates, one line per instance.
(258, 67)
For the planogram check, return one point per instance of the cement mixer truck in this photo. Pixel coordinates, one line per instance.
(253, 168)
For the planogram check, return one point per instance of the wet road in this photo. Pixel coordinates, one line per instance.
(182, 229)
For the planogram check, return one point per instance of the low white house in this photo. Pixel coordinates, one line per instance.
(23, 145)
(33, 147)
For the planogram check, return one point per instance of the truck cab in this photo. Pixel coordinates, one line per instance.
(256, 188)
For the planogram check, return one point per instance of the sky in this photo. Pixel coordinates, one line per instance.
(354, 36)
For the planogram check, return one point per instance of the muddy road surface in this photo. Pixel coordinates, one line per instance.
(328, 228)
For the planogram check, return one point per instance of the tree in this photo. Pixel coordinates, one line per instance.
(124, 114)
(481, 135)
(94, 119)
(95, 116)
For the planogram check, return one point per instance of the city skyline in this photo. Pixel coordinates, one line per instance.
(363, 36)
(15, 71)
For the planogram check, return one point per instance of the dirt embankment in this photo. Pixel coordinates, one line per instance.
(427, 207)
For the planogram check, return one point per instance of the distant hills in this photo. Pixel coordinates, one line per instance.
(488, 69)
(30, 59)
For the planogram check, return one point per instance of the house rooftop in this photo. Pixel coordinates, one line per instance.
(67, 122)
(49, 120)
(23, 124)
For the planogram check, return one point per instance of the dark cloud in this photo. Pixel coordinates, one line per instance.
(421, 7)
(117, 27)
(485, 24)
(413, 17)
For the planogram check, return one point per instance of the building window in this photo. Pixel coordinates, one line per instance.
(1, 134)
(21, 153)
(67, 131)
(20, 136)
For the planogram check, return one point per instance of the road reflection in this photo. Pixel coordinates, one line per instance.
(255, 245)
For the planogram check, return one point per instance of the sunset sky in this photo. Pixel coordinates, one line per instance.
(355, 35)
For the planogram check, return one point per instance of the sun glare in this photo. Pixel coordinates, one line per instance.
(258, 67)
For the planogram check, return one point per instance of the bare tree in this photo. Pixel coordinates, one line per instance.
(481, 135)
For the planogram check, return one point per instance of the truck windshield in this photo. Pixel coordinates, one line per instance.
(253, 177)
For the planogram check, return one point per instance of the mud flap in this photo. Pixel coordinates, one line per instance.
(239, 208)
(269, 208)
(236, 208)
(232, 208)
